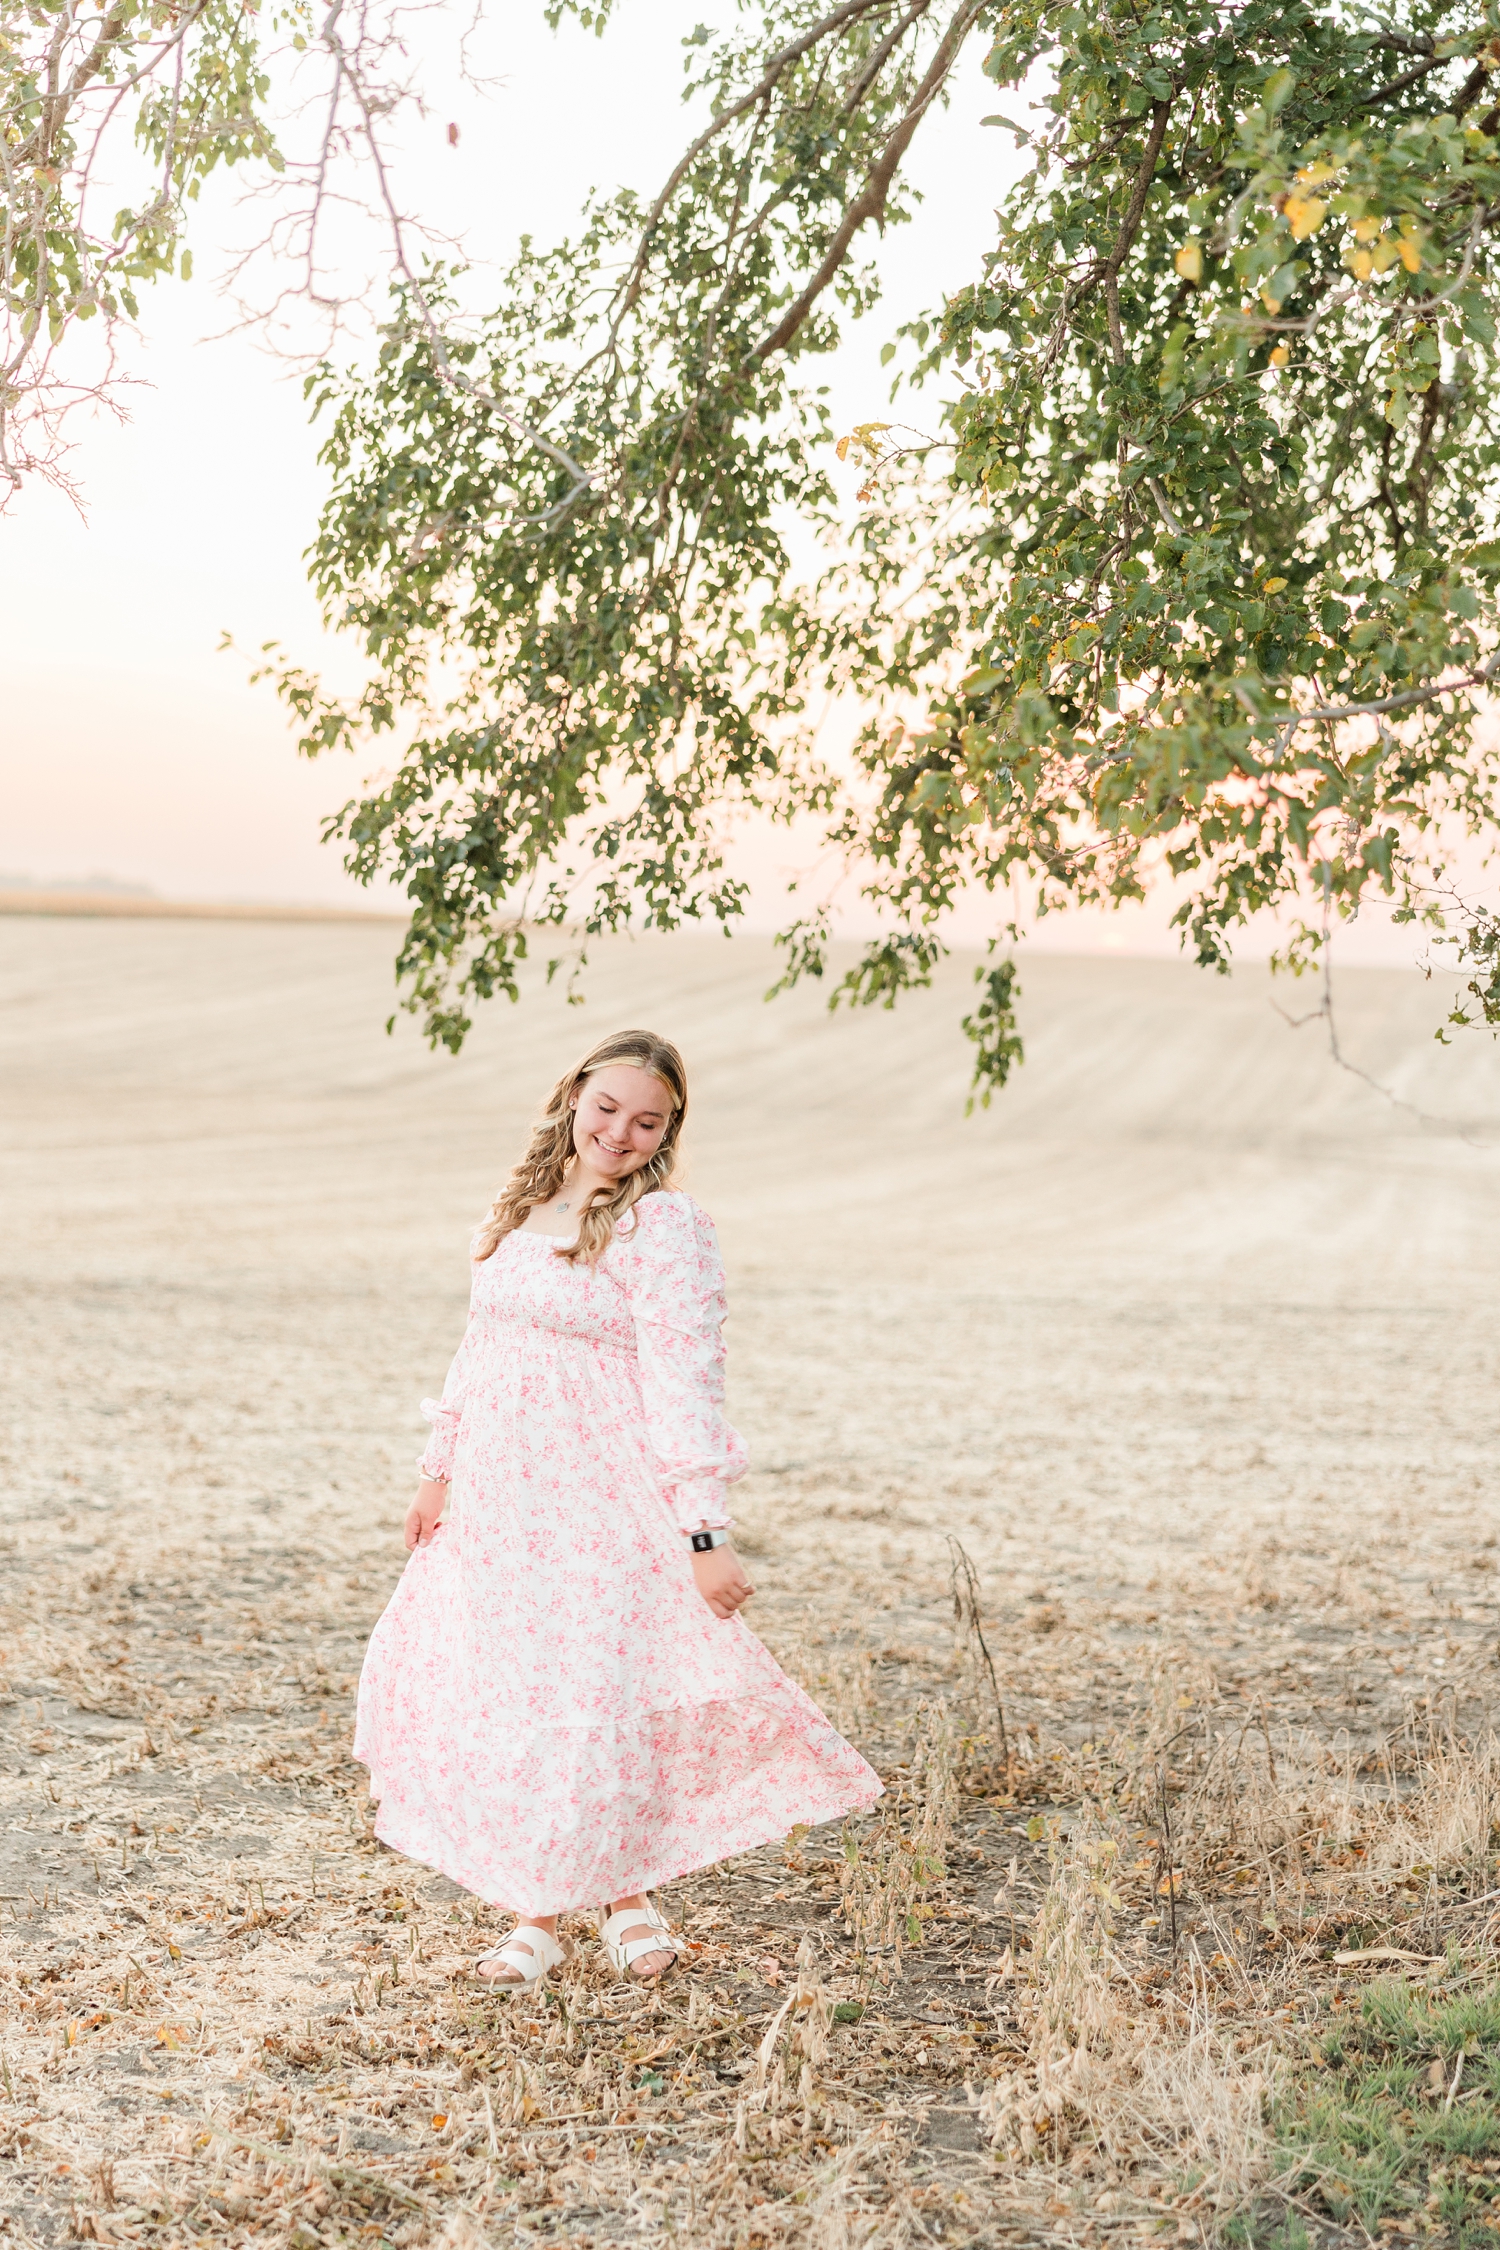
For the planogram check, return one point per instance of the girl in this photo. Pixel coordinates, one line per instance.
(561, 1704)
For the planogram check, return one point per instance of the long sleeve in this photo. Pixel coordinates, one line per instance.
(670, 1270)
(446, 1413)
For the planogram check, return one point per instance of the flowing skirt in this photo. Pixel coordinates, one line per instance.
(549, 1711)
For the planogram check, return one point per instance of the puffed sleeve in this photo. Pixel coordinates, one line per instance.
(669, 1267)
(445, 1413)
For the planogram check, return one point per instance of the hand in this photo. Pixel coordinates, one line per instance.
(721, 1580)
(425, 1513)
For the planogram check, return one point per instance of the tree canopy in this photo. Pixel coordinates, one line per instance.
(1191, 569)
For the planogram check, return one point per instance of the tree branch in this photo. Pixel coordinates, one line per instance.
(437, 343)
(882, 55)
(779, 62)
(1471, 89)
(1106, 270)
(1134, 210)
(870, 202)
(1411, 77)
(1485, 677)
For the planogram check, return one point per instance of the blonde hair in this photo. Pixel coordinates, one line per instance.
(539, 1175)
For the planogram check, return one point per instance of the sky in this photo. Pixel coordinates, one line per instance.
(130, 745)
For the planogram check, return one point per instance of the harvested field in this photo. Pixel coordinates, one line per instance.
(1186, 1349)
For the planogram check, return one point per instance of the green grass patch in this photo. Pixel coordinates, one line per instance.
(1376, 2131)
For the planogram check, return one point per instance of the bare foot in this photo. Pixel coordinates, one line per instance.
(650, 1966)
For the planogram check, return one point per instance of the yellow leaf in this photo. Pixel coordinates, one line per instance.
(1189, 261)
(1312, 175)
(1280, 356)
(1410, 254)
(1361, 263)
(1273, 586)
(1386, 254)
(842, 449)
(1272, 304)
(1305, 214)
(1366, 230)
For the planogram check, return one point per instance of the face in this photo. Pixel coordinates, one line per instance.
(620, 1114)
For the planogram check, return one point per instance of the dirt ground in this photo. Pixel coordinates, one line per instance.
(1189, 1342)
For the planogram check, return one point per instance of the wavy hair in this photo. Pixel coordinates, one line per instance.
(540, 1173)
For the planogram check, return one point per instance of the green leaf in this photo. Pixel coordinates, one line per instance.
(1139, 525)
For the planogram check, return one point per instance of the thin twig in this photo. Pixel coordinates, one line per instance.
(966, 1616)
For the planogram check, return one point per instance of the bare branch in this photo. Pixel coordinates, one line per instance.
(1403, 702)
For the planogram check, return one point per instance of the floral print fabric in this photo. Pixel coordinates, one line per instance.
(550, 1712)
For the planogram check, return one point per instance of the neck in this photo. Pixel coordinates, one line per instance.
(582, 1185)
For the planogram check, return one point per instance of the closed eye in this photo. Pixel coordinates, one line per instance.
(649, 1121)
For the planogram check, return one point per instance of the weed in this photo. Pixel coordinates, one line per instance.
(893, 1870)
(1403, 2117)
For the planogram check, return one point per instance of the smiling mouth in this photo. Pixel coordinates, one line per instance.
(609, 1147)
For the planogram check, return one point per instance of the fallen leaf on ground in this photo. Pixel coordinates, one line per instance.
(1385, 1953)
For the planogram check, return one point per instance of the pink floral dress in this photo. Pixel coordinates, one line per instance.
(550, 1712)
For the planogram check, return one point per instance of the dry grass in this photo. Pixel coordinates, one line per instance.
(1106, 1973)
(1215, 1708)
(304, 2058)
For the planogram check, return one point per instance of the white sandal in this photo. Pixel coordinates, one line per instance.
(623, 1951)
(531, 1950)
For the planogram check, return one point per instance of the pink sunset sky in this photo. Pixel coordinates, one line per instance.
(130, 746)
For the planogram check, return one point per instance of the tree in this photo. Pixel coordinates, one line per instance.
(187, 88)
(1194, 570)
(114, 114)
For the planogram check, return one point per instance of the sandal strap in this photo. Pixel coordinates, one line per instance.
(636, 1949)
(626, 1917)
(528, 1949)
(622, 1950)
